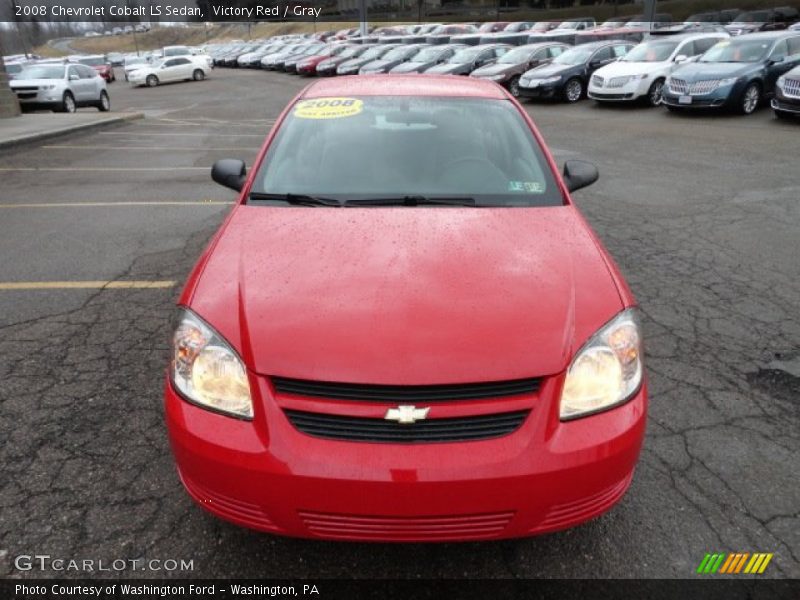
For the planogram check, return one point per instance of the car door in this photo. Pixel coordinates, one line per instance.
(778, 63)
(484, 58)
(600, 58)
(539, 57)
(90, 80)
(76, 84)
(169, 70)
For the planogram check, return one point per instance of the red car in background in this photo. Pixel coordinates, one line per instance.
(99, 64)
(418, 339)
(308, 66)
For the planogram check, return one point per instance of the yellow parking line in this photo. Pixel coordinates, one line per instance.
(191, 148)
(109, 169)
(78, 285)
(123, 134)
(96, 204)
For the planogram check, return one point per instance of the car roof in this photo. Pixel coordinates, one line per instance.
(404, 85)
(682, 37)
(767, 35)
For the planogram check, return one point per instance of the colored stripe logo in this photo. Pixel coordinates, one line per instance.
(734, 563)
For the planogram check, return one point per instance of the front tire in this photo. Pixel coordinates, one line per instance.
(573, 90)
(654, 93)
(513, 86)
(750, 99)
(68, 103)
(198, 75)
(104, 104)
(151, 81)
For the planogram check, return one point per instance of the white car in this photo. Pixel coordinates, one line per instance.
(179, 68)
(132, 63)
(642, 72)
(61, 88)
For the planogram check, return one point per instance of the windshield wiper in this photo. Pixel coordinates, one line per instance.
(296, 199)
(412, 201)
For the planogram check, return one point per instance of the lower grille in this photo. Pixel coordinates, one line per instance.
(439, 528)
(791, 88)
(618, 82)
(404, 393)
(360, 429)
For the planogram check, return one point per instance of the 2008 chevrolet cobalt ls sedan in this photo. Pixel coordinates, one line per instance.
(405, 330)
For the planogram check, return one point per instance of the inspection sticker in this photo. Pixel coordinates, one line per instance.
(532, 187)
(328, 108)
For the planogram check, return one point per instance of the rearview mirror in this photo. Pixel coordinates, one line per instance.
(229, 172)
(681, 58)
(579, 174)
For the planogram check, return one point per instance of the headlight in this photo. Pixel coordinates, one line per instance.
(49, 86)
(499, 77)
(781, 81)
(607, 371)
(640, 77)
(206, 370)
(555, 79)
(729, 81)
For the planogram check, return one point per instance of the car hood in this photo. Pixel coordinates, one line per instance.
(33, 82)
(622, 68)
(494, 69)
(549, 70)
(699, 71)
(400, 295)
(448, 68)
(378, 65)
(355, 62)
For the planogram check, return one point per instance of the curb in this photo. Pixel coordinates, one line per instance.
(53, 133)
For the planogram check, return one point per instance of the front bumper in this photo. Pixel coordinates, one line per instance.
(266, 475)
(630, 91)
(543, 91)
(782, 103)
(41, 99)
(721, 97)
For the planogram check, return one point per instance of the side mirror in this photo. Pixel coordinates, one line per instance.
(681, 58)
(777, 61)
(229, 172)
(579, 174)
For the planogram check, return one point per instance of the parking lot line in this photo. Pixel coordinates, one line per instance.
(109, 169)
(124, 203)
(181, 134)
(79, 285)
(183, 148)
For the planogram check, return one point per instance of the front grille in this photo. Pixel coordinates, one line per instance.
(791, 88)
(451, 429)
(26, 92)
(597, 80)
(395, 394)
(679, 86)
(429, 528)
(618, 82)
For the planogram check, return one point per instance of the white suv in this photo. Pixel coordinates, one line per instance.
(641, 73)
(62, 88)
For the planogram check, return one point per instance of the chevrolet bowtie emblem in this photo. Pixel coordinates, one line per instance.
(406, 414)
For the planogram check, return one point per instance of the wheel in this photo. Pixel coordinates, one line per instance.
(750, 98)
(573, 90)
(198, 75)
(151, 81)
(654, 93)
(513, 86)
(104, 105)
(68, 103)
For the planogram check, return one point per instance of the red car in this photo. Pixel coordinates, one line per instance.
(405, 330)
(99, 64)
(308, 65)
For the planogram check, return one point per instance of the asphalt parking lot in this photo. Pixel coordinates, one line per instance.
(700, 212)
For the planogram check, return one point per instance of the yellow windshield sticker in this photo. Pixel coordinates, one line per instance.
(328, 108)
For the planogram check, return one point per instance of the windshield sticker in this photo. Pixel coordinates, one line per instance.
(531, 187)
(328, 108)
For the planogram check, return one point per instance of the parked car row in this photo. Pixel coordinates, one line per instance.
(690, 69)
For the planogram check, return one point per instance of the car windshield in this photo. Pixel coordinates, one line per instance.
(134, 60)
(757, 16)
(569, 25)
(176, 51)
(613, 24)
(513, 27)
(313, 49)
(737, 51)
(351, 51)
(42, 72)
(465, 56)
(516, 56)
(379, 147)
(376, 52)
(487, 27)
(13, 68)
(651, 52)
(574, 56)
(399, 53)
(428, 54)
(92, 62)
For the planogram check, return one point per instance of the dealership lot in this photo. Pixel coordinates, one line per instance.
(700, 213)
